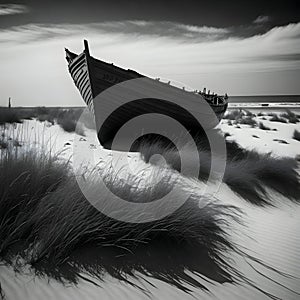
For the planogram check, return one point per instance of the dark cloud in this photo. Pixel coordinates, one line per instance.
(224, 62)
(13, 9)
(213, 13)
(136, 28)
(165, 29)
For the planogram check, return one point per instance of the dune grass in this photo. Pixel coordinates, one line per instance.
(276, 118)
(46, 221)
(66, 224)
(249, 177)
(296, 135)
(66, 118)
(290, 116)
(239, 116)
(18, 114)
(247, 173)
(25, 178)
(248, 121)
(9, 116)
(248, 113)
(234, 114)
(262, 126)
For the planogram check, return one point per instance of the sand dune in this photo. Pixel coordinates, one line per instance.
(270, 235)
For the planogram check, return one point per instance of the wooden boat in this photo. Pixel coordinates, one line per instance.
(92, 76)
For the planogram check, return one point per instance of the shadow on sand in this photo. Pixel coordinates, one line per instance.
(248, 173)
(47, 223)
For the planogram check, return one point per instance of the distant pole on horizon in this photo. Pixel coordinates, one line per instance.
(9, 103)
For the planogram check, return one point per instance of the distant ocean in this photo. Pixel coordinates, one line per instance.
(265, 99)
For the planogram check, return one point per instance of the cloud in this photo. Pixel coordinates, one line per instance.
(136, 28)
(166, 29)
(261, 20)
(13, 9)
(32, 56)
(214, 45)
(147, 29)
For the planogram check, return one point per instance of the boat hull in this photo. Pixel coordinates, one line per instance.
(92, 77)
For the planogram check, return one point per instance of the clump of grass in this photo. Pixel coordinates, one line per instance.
(293, 120)
(248, 121)
(234, 114)
(72, 223)
(9, 115)
(247, 173)
(241, 117)
(43, 118)
(276, 118)
(17, 114)
(249, 177)
(248, 113)
(68, 125)
(25, 178)
(46, 220)
(296, 135)
(263, 127)
(68, 119)
(290, 116)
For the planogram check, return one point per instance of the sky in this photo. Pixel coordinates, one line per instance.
(238, 47)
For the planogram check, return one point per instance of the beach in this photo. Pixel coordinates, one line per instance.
(268, 233)
(149, 150)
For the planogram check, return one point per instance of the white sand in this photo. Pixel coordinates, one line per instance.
(264, 142)
(275, 231)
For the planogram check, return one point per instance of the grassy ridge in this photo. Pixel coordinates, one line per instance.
(243, 116)
(48, 224)
(247, 173)
(46, 221)
(66, 118)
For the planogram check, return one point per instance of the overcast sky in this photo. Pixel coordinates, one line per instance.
(238, 47)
